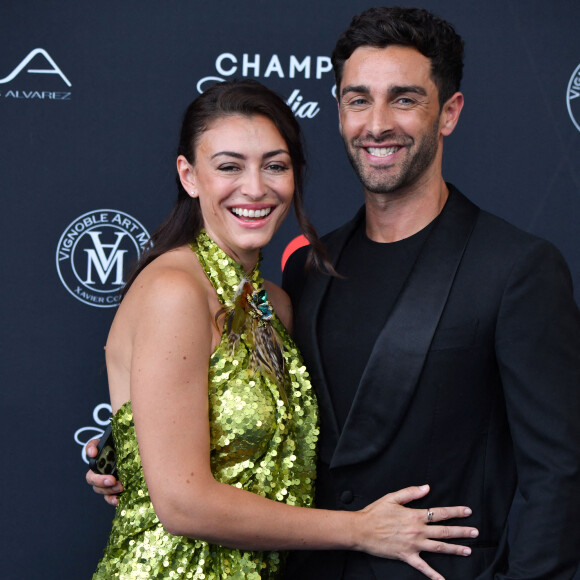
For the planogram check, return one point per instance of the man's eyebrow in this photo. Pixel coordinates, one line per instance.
(355, 89)
(399, 90)
(392, 91)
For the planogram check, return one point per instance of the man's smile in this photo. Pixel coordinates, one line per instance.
(382, 151)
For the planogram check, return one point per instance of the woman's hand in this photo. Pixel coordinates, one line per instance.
(390, 530)
(105, 485)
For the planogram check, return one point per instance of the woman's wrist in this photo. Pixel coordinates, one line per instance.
(352, 530)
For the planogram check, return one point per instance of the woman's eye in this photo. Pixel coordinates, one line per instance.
(277, 167)
(228, 168)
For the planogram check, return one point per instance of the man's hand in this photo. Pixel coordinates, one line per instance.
(105, 485)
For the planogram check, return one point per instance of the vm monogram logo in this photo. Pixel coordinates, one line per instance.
(95, 252)
(103, 264)
(54, 68)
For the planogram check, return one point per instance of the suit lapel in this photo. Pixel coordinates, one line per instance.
(392, 372)
(306, 317)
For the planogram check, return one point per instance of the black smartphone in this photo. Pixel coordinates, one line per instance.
(105, 463)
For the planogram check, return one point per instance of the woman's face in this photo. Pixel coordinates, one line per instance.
(244, 179)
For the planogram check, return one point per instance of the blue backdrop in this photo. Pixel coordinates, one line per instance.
(91, 96)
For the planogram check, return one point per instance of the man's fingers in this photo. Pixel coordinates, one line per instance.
(111, 499)
(91, 447)
(99, 480)
(102, 490)
(103, 484)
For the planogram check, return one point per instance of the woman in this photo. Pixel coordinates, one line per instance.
(204, 375)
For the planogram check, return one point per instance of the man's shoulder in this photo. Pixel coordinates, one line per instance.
(499, 250)
(505, 234)
(512, 242)
(496, 225)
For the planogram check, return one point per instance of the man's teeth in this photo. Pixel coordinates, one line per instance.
(382, 151)
(251, 213)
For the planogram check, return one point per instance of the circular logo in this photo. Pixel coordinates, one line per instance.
(573, 97)
(95, 253)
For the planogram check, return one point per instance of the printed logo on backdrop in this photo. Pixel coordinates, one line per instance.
(36, 77)
(101, 416)
(304, 71)
(95, 252)
(573, 97)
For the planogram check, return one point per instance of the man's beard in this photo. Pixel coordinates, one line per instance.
(380, 181)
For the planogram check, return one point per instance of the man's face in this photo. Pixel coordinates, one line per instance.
(390, 117)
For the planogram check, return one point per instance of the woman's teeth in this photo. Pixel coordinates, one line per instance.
(251, 213)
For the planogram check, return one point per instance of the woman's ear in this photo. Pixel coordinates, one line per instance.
(186, 174)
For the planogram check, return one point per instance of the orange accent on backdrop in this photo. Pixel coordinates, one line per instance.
(296, 243)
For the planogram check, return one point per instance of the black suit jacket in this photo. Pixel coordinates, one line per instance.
(473, 386)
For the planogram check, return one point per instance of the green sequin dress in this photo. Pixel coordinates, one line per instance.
(262, 440)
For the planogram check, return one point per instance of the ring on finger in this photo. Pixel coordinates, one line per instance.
(430, 515)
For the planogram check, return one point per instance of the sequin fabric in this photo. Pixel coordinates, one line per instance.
(259, 443)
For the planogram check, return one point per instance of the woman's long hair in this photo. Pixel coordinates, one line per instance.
(247, 98)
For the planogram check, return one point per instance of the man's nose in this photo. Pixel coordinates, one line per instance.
(381, 120)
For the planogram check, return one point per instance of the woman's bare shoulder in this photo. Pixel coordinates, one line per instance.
(172, 284)
(166, 292)
(175, 275)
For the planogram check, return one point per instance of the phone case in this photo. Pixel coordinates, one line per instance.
(105, 463)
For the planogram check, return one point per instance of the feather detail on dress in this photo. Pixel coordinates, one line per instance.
(250, 315)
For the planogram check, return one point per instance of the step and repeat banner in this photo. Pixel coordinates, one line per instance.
(91, 98)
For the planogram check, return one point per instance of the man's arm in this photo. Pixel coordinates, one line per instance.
(538, 352)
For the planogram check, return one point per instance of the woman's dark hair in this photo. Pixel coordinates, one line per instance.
(247, 98)
(430, 35)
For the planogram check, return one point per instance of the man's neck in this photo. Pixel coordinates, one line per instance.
(391, 217)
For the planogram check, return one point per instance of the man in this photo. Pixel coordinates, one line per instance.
(448, 352)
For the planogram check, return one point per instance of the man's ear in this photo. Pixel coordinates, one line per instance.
(450, 114)
(186, 174)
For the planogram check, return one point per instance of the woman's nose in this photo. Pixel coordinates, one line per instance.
(254, 185)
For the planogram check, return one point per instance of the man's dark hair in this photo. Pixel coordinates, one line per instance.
(432, 36)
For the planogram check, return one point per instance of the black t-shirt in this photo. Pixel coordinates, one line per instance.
(355, 309)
